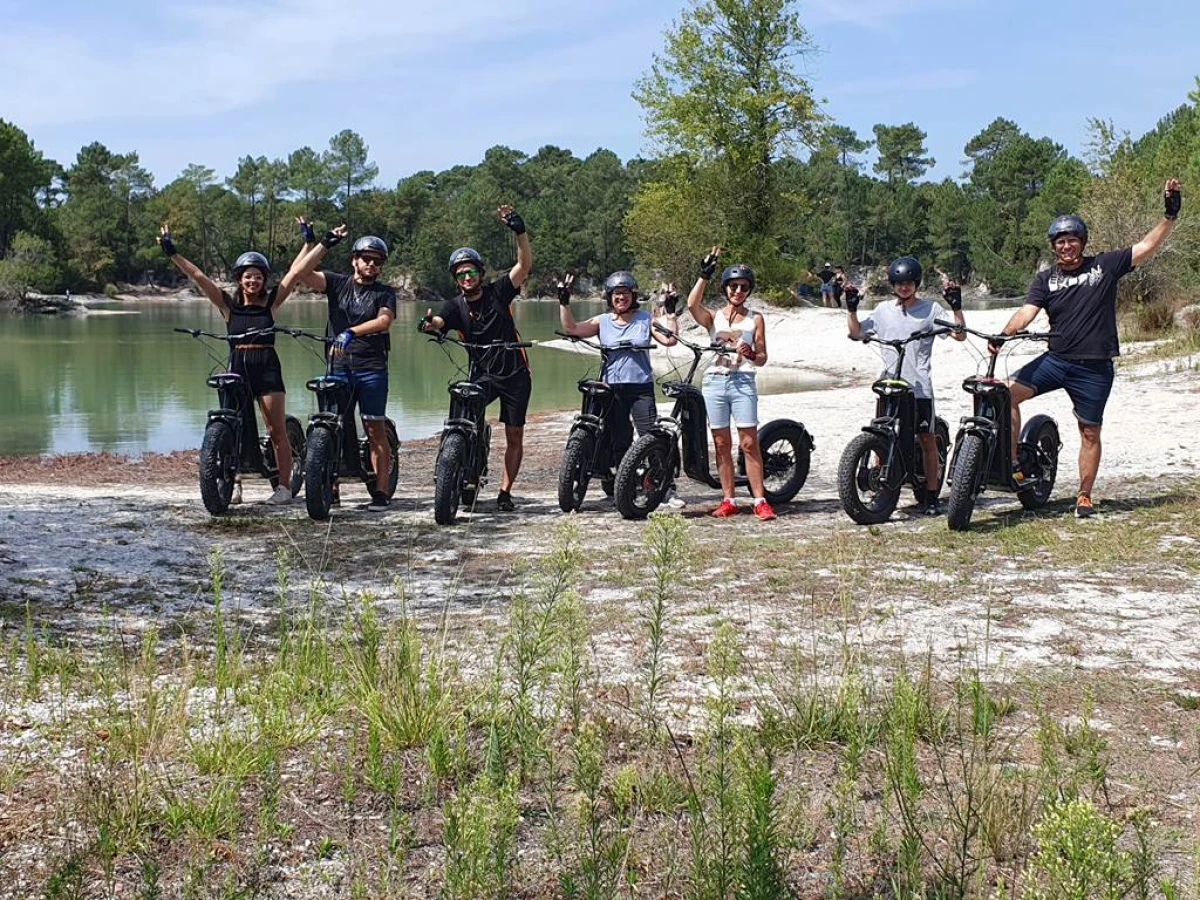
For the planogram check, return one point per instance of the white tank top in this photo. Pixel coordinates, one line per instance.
(724, 363)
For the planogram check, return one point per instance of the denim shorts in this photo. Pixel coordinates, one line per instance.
(736, 394)
(1087, 382)
(370, 390)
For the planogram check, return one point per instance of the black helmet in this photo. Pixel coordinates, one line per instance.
(620, 279)
(738, 271)
(465, 255)
(251, 259)
(1067, 225)
(368, 243)
(906, 268)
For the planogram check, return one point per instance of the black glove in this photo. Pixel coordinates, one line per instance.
(514, 221)
(670, 302)
(1172, 200)
(995, 346)
(953, 296)
(852, 298)
(564, 294)
(306, 230)
(425, 323)
(168, 245)
(331, 239)
(708, 266)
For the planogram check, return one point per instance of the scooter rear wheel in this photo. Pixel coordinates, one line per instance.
(1041, 436)
(786, 454)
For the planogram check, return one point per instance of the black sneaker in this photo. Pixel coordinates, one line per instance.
(931, 508)
(504, 502)
(379, 502)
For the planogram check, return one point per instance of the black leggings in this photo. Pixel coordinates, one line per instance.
(630, 401)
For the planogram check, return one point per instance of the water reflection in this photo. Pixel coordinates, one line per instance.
(122, 381)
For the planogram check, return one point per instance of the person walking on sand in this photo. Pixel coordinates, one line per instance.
(825, 276)
(1079, 295)
(730, 391)
(251, 308)
(482, 314)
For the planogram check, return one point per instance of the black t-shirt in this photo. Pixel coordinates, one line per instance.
(486, 320)
(352, 304)
(1082, 305)
(826, 275)
(248, 317)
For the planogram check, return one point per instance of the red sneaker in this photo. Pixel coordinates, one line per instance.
(726, 509)
(763, 511)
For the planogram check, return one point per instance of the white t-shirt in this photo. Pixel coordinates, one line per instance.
(892, 322)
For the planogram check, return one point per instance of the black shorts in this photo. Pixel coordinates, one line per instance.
(513, 393)
(261, 370)
(923, 410)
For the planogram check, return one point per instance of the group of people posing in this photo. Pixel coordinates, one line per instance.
(1078, 293)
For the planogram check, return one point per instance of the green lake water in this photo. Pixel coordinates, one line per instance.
(121, 380)
(124, 382)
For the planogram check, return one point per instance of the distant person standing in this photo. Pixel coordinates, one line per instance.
(839, 285)
(825, 276)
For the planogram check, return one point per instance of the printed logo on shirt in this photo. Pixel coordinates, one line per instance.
(1091, 277)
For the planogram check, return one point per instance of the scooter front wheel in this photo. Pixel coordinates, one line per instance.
(447, 478)
(866, 497)
(574, 474)
(964, 486)
(643, 477)
(320, 468)
(218, 466)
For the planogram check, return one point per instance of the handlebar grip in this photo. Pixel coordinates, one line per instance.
(521, 344)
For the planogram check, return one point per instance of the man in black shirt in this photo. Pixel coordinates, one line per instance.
(825, 276)
(482, 314)
(361, 310)
(1079, 294)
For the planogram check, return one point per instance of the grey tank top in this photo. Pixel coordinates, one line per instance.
(626, 366)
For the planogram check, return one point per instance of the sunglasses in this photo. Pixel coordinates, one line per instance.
(738, 288)
(373, 260)
(466, 273)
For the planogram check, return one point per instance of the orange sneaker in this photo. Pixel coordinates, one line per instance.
(763, 510)
(726, 509)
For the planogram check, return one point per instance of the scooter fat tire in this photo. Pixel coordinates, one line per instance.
(320, 467)
(964, 487)
(574, 474)
(872, 503)
(786, 454)
(1041, 434)
(643, 476)
(447, 478)
(218, 466)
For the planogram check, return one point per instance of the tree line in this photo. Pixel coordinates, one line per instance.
(743, 156)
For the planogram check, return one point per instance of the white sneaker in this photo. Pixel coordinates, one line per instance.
(281, 497)
(236, 496)
(671, 501)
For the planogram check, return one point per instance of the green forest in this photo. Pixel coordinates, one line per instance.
(743, 154)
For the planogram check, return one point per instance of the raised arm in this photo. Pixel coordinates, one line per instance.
(952, 294)
(1144, 249)
(695, 301)
(304, 263)
(566, 318)
(192, 271)
(316, 280)
(518, 273)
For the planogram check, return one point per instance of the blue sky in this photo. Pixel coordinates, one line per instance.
(430, 85)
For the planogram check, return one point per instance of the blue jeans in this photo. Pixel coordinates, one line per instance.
(370, 390)
(733, 394)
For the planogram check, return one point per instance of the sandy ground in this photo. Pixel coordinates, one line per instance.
(91, 542)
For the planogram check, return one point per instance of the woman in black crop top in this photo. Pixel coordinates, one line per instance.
(251, 307)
